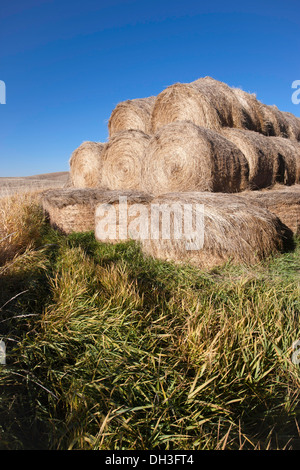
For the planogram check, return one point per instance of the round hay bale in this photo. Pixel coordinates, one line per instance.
(235, 107)
(252, 118)
(230, 229)
(73, 210)
(131, 114)
(293, 125)
(184, 102)
(274, 120)
(223, 99)
(286, 150)
(284, 204)
(261, 154)
(185, 157)
(122, 159)
(85, 165)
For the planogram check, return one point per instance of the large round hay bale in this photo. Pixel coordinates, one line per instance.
(85, 165)
(73, 210)
(185, 157)
(184, 102)
(274, 120)
(261, 154)
(285, 204)
(132, 114)
(235, 107)
(293, 125)
(252, 115)
(122, 159)
(289, 163)
(230, 228)
(223, 99)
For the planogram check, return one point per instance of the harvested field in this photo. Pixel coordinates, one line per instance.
(14, 185)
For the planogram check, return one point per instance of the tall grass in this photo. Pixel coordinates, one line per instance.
(108, 349)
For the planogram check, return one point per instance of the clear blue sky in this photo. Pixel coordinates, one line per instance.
(66, 64)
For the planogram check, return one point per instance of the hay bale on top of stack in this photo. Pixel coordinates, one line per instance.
(131, 114)
(199, 136)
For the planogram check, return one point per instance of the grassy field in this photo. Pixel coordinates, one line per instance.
(107, 349)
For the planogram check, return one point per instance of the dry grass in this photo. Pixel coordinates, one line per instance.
(21, 223)
(185, 157)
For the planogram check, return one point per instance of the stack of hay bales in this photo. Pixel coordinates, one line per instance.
(193, 138)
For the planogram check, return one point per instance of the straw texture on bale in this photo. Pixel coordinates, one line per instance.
(184, 157)
(274, 120)
(85, 165)
(234, 230)
(224, 100)
(132, 114)
(253, 117)
(284, 204)
(293, 125)
(261, 154)
(122, 159)
(73, 210)
(184, 102)
(235, 107)
(289, 159)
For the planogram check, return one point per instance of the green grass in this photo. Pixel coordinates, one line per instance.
(107, 349)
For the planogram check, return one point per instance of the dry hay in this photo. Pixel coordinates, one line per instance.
(184, 157)
(253, 117)
(275, 121)
(289, 159)
(224, 100)
(234, 229)
(85, 165)
(261, 154)
(73, 210)
(293, 125)
(184, 102)
(235, 107)
(122, 159)
(285, 204)
(132, 114)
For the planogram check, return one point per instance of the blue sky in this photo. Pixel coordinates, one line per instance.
(66, 64)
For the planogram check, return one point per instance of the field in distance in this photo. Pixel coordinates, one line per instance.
(11, 185)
